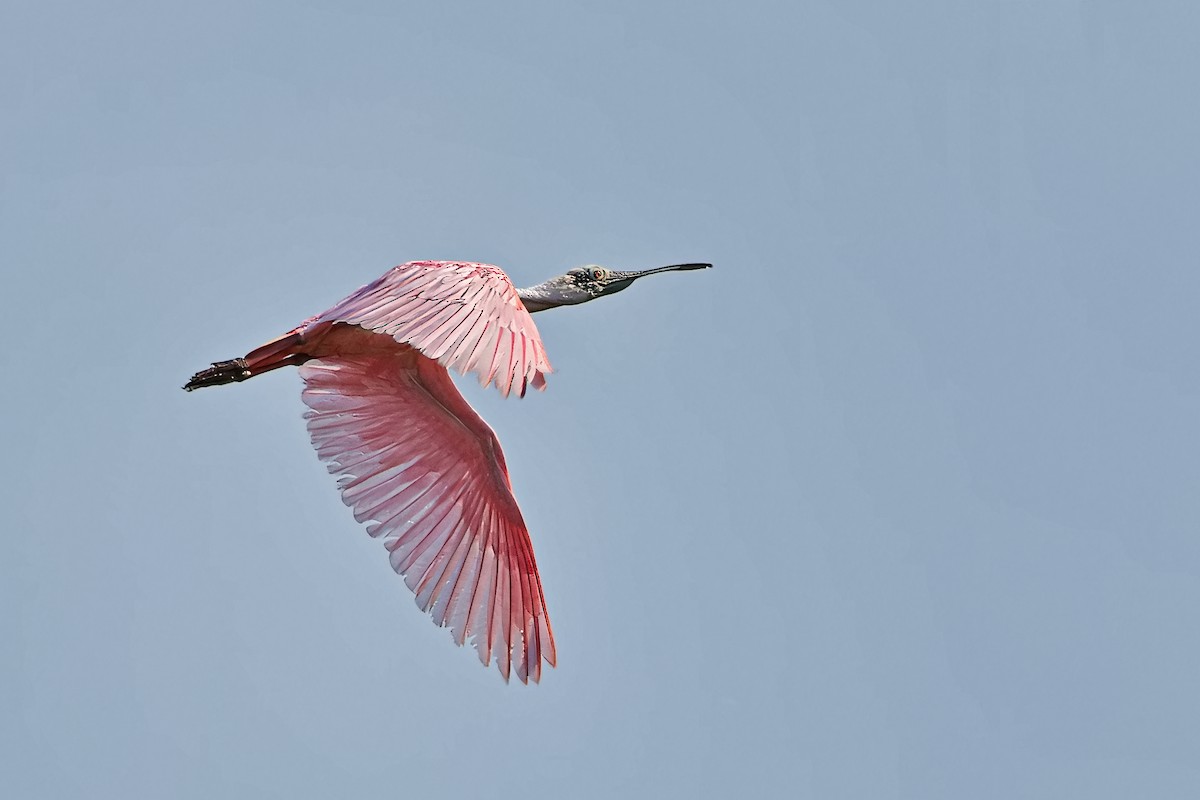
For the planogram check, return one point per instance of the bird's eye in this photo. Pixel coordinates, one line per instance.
(597, 274)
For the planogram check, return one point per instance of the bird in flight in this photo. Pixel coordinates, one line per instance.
(414, 461)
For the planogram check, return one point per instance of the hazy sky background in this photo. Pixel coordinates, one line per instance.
(900, 500)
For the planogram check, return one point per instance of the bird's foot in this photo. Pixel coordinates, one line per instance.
(220, 372)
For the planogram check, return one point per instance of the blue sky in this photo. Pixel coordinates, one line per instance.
(899, 500)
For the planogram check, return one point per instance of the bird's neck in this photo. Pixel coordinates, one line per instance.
(536, 298)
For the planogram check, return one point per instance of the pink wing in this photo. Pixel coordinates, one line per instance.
(427, 473)
(465, 316)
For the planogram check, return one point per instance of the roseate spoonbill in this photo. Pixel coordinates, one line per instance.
(414, 460)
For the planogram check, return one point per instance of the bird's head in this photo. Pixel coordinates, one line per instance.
(586, 283)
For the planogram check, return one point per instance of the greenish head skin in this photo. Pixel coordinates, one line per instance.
(587, 283)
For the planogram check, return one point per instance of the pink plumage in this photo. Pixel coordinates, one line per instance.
(465, 316)
(427, 474)
(413, 459)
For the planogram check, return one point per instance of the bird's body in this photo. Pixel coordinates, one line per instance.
(413, 458)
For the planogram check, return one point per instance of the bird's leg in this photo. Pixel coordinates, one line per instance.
(235, 369)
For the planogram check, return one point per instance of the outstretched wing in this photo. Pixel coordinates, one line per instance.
(465, 316)
(427, 474)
